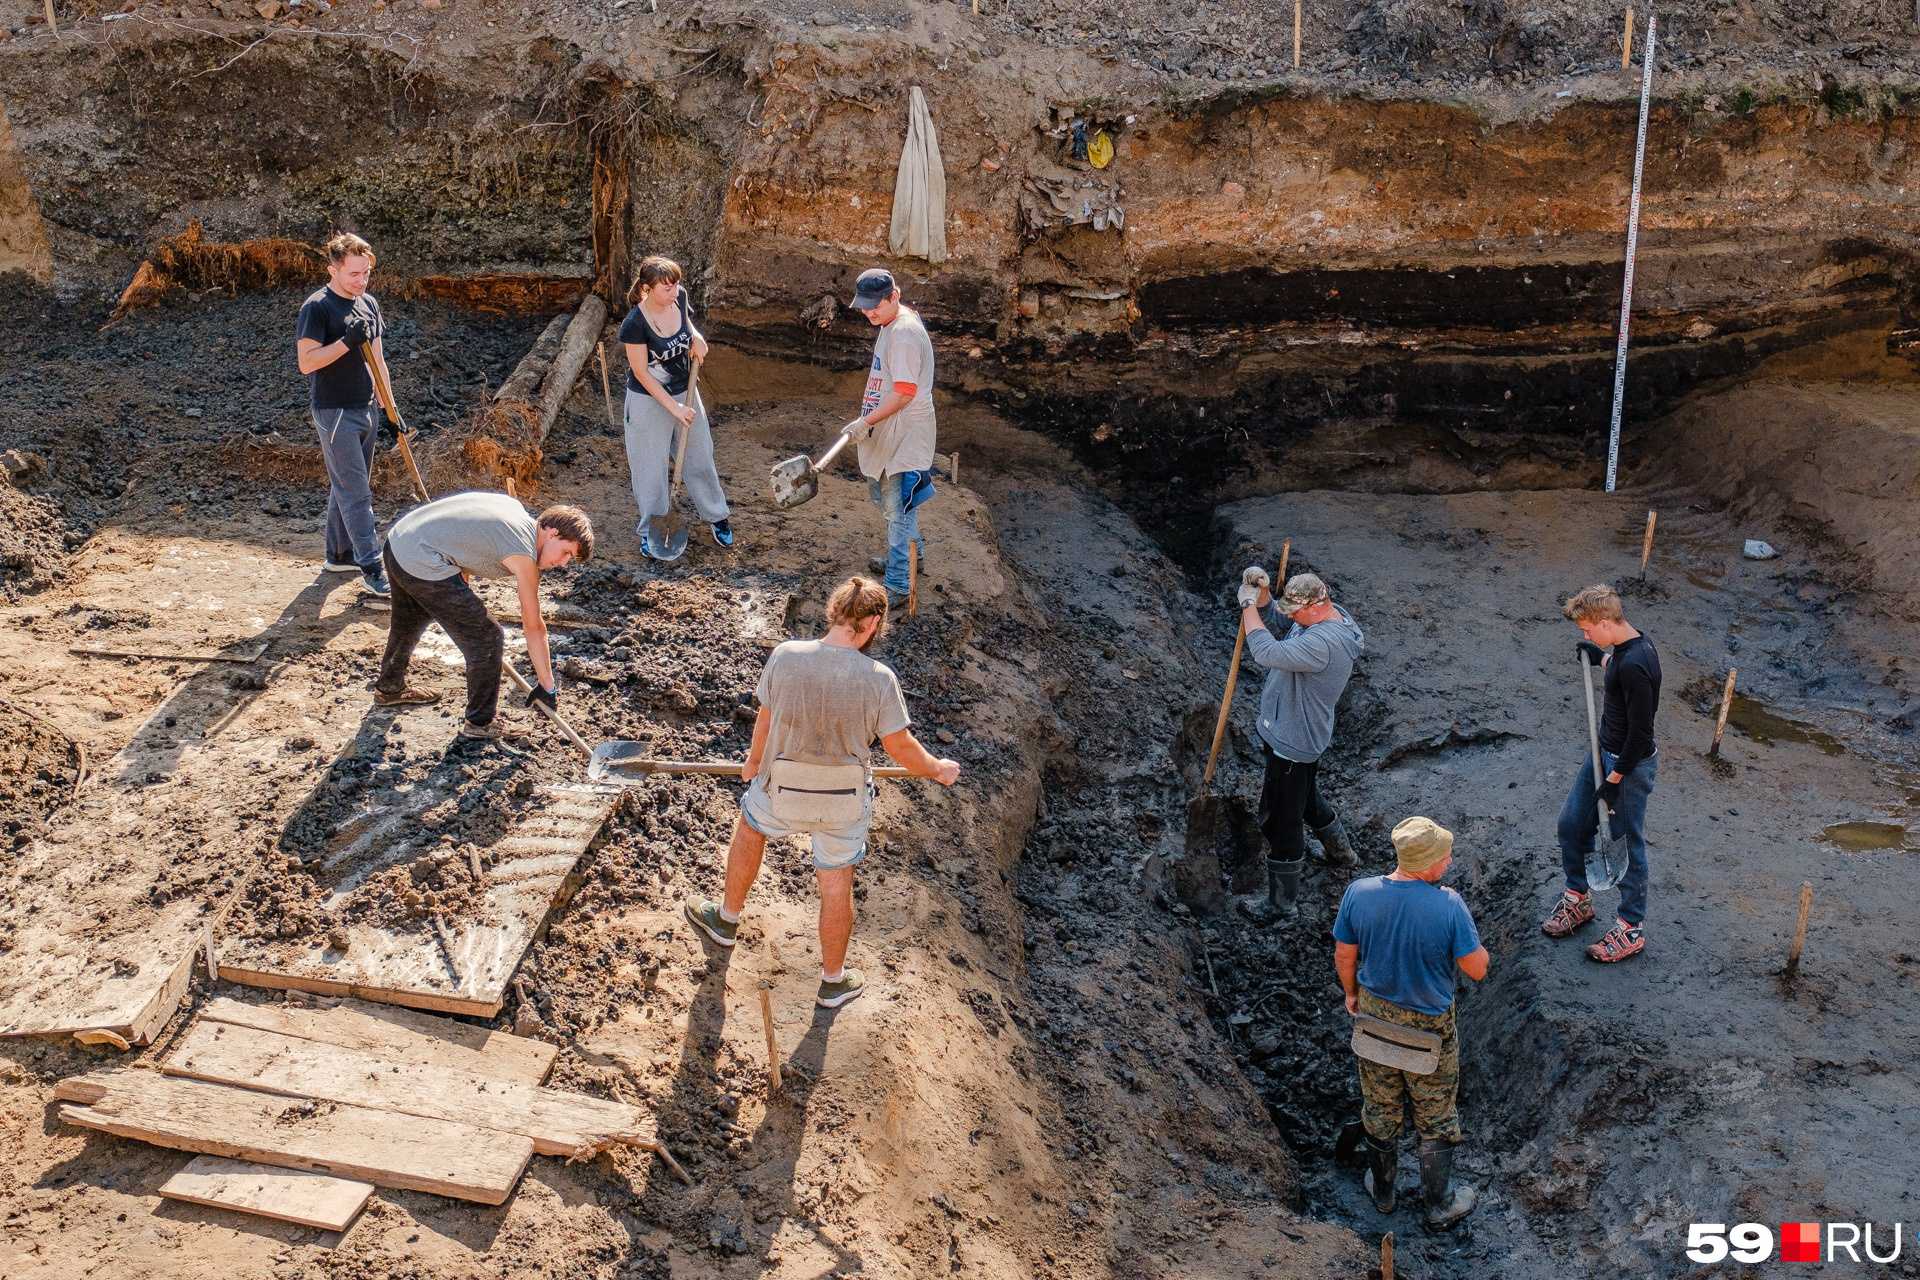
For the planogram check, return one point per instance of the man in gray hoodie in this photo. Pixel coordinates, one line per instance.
(1306, 673)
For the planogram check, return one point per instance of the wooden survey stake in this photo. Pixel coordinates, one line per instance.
(1726, 705)
(773, 1043)
(1646, 544)
(1626, 42)
(1800, 930)
(1296, 34)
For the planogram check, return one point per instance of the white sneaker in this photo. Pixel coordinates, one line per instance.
(338, 566)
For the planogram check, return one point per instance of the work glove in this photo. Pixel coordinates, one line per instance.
(1594, 653)
(387, 434)
(1609, 793)
(1252, 583)
(358, 332)
(548, 698)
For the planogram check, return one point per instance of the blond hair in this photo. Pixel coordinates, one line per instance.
(1594, 604)
(856, 600)
(348, 245)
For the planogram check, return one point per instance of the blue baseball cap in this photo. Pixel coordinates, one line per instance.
(873, 287)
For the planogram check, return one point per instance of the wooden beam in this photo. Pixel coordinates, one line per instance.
(557, 1122)
(299, 1196)
(576, 347)
(251, 653)
(413, 1153)
(400, 1035)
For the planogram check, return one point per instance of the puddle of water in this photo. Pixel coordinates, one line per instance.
(1866, 837)
(1755, 721)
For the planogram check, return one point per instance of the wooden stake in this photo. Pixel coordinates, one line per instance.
(510, 492)
(1800, 930)
(1626, 42)
(1646, 544)
(206, 949)
(473, 863)
(773, 1044)
(1286, 553)
(53, 23)
(606, 388)
(1386, 1256)
(953, 463)
(1726, 705)
(913, 579)
(1296, 35)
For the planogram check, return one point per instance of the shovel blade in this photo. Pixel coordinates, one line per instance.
(1607, 861)
(667, 536)
(794, 481)
(609, 760)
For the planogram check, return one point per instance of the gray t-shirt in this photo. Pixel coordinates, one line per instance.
(828, 704)
(1306, 673)
(904, 442)
(474, 532)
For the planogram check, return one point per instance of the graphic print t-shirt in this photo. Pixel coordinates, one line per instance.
(904, 442)
(671, 355)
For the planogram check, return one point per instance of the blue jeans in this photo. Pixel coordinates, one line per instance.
(903, 527)
(1580, 820)
(346, 444)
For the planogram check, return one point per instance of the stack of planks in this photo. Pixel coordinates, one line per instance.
(360, 1095)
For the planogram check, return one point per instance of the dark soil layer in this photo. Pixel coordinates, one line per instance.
(39, 768)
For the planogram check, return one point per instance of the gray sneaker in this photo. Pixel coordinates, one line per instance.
(704, 913)
(834, 994)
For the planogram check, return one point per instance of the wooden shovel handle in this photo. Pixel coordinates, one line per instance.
(1226, 707)
(520, 682)
(692, 402)
(384, 390)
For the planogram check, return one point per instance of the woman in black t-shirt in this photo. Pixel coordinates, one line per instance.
(661, 343)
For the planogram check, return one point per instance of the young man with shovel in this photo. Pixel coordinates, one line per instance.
(1396, 944)
(336, 322)
(823, 703)
(895, 429)
(1631, 763)
(428, 556)
(1306, 673)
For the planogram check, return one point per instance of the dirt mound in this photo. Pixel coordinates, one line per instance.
(39, 768)
(33, 541)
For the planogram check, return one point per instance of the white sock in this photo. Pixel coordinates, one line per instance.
(833, 977)
(731, 917)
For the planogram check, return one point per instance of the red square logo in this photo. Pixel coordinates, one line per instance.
(1799, 1242)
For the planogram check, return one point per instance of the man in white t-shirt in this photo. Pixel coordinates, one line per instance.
(895, 429)
(823, 704)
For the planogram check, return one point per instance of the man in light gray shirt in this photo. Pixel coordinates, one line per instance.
(1306, 673)
(823, 703)
(428, 555)
(895, 429)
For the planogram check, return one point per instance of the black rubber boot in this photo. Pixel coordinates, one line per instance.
(1333, 840)
(1447, 1201)
(1283, 887)
(1383, 1161)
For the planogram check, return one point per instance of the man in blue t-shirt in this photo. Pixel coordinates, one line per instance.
(1396, 944)
(338, 331)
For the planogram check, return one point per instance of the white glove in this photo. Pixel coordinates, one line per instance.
(1252, 583)
(859, 428)
(1249, 596)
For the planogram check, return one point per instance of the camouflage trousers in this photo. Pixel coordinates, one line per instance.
(1384, 1090)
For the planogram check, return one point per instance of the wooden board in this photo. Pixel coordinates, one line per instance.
(558, 1123)
(250, 653)
(298, 1196)
(535, 872)
(397, 1034)
(409, 1152)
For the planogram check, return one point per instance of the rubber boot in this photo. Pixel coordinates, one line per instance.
(1383, 1161)
(1333, 841)
(1283, 887)
(1447, 1201)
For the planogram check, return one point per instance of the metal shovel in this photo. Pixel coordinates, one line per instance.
(667, 533)
(622, 761)
(797, 480)
(1607, 861)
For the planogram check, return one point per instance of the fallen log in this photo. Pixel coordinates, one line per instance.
(576, 348)
(524, 382)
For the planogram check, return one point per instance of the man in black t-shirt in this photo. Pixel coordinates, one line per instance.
(1631, 759)
(335, 324)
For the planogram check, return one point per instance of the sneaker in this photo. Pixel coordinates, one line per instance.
(407, 697)
(834, 994)
(339, 566)
(704, 914)
(491, 731)
(1621, 941)
(374, 583)
(723, 533)
(1568, 914)
(646, 547)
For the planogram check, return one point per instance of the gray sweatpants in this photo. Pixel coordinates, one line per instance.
(651, 436)
(346, 442)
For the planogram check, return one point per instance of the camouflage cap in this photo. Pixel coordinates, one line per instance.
(1303, 590)
(1418, 843)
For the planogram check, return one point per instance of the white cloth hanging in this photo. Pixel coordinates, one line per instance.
(920, 191)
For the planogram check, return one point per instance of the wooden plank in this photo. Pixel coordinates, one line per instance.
(413, 1153)
(558, 1123)
(299, 1196)
(400, 1035)
(532, 873)
(251, 653)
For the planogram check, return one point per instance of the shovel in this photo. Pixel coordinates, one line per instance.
(620, 761)
(1607, 863)
(668, 532)
(384, 390)
(797, 480)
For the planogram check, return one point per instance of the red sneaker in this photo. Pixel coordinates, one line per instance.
(1568, 914)
(1621, 941)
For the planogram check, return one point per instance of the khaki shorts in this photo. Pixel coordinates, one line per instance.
(833, 847)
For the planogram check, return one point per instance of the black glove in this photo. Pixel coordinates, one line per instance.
(358, 332)
(548, 698)
(387, 434)
(1609, 793)
(1595, 654)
